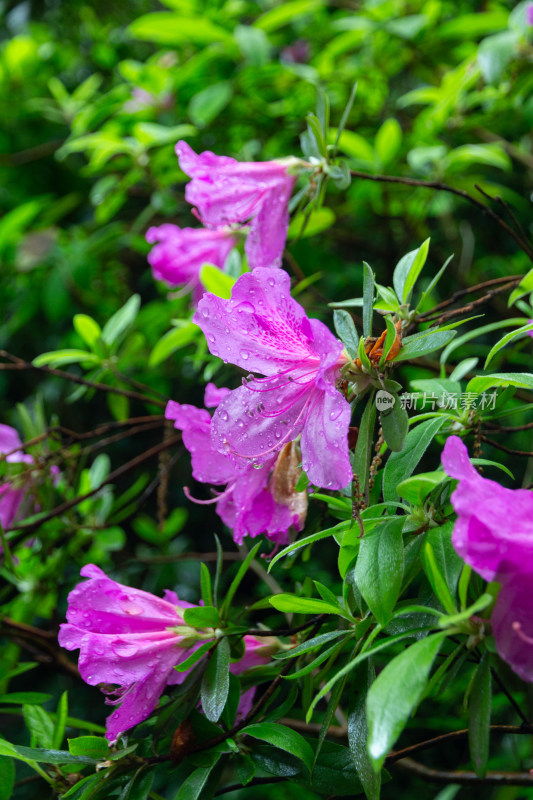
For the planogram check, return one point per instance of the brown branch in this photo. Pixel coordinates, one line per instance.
(255, 782)
(466, 778)
(498, 446)
(29, 526)
(460, 293)
(507, 428)
(440, 318)
(451, 737)
(19, 364)
(31, 153)
(443, 187)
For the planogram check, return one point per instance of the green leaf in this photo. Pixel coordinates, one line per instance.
(7, 777)
(166, 28)
(379, 568)
(193, 785)
(39, 724)
(207, 588)
(479, 722)
(283, 738)
(445, 559)
(61, 718)
(92, 746)
(309, 224)
(407, 271)
(421, 344)
(290, 603)
(358, 739)
(395, 425)
(172, 341)
(495, 53)
(151, 134)
(275, 18)
(215, 682)
(524, 287)
(365, 443)
(426, 293)
(395, 693)
(236, 582)
(42, 755)
(121, 320)
(87, 328)
(368, 299)
(505, 340)
(477, 332)
(388, 142)
(346, 331)
(57, 358)
(481, 383)
(402, 465)
(216, 281)
(311, 644)
(483, 602)
(416, 489)
(195, 656)
(205, 106)
(307, 540)
(467, 155)
(353, 144)
(438, 584)
(201, 617)
(26, 698)
(390, 338)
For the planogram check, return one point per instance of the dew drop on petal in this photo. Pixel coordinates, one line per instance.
(244, 354)
(335, 413)
(223, 415)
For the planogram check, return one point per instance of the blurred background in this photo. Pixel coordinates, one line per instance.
(93, 98)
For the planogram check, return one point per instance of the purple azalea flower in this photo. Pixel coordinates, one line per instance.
(227, 192)
(251, 503)
(493, 534)
(493, 530)
(261, 328)
(133, 639)
(10, 497)
(179, 253)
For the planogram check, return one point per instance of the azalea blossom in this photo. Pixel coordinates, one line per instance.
(493, 531)
(262, 329)
(228, 192)
(132, 639)
(255, 500)
(493, 534)
(179, 254)
(11, 496)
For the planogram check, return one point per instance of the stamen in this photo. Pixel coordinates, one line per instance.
(213, 500)
(517, 628)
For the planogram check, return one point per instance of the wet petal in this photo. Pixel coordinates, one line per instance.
(325, 454)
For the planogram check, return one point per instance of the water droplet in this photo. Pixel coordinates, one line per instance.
(211, 338)
(240, 423)
(258, 466)
(245, 354)
(271, 282)
(223, 415)
(132, 608)
(124, 649)
(335, 413)
(245, 308)
(205, 313)
(277, 433)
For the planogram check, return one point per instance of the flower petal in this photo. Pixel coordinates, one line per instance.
(324, 443)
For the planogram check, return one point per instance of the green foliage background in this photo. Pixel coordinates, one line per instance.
(444, 94)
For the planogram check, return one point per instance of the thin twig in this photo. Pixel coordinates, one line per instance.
(466, 778)
(19, 364)
(443, 187)
(498, 446)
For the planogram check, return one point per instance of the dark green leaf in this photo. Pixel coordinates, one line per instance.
(401, 465)
(379, 568)
(346, 331)
(7, 777)
(92, 746)
(368, 299)
(290, 603)
(423, 343)
(479, 723)
(358, 739)
(201, 617)
(395, 425)
(282, 737)
(395, 693)
(215, 683)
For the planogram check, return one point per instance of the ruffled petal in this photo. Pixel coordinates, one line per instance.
(208, 465)
(140, 700)
(261, 328)
(512, 623)
(324, 443)
(268, 232)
